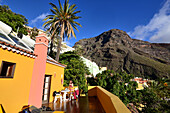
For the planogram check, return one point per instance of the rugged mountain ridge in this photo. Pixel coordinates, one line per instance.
(116, 50)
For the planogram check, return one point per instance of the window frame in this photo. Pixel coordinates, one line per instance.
(11, 69)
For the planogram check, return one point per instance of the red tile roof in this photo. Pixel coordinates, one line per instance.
(18, 50)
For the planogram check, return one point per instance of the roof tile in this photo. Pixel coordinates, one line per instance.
(18, 50)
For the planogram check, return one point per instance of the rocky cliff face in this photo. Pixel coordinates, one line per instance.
(115, 50)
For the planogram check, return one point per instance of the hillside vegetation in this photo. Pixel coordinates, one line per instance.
(115, 50)
(16, 21)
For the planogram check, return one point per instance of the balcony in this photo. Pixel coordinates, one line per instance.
(98, 100)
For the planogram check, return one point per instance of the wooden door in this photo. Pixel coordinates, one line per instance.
(46, 89)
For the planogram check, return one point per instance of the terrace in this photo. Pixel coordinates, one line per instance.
(98, 100)
(83, 104)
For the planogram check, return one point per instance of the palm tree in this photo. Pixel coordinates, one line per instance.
(61, 22)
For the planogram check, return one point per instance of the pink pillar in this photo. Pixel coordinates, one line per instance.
(36, 89)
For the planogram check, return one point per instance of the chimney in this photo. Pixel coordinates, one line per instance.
(37, 82)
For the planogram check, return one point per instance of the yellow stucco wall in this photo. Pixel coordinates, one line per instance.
(14, 92)
(55, 72)
(110, 102)
(140, 86)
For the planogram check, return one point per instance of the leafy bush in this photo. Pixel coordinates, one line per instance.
(13, 20)
(155, 98)
(75, 71)
(119, 84)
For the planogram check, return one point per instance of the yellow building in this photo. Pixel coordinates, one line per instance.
(28, 78)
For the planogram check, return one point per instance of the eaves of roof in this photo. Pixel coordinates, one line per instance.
(17, 50)
(56, 63)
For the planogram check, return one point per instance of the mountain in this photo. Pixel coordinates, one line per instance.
(116, 50)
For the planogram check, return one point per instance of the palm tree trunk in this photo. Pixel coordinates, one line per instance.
(59, 42)
(51, 46)
(52, 41)
(58, 49)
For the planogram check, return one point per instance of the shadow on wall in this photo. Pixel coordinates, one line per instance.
(2, 109)
(110, 102)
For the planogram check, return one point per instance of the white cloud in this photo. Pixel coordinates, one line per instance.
(68, 43)
(39, 18)
(158, 29)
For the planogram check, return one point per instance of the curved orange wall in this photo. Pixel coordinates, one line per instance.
(14, 92)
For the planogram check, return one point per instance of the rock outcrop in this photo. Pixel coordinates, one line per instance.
(116, 50)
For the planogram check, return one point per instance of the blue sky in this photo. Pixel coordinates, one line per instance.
(142, 19)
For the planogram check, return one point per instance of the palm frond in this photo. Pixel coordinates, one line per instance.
(61, 8)
(54, 12)
(48, 17)
(55, 7)
(66, 5)
(72, 31)
(48, 22)
(75, 17)
(72, 10)
(76, 12)
(77, 23)
(72, 6)
(75, 27)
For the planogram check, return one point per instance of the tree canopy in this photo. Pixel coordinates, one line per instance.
(61, 22)
(154, 98)
(16, 21)
(75, 70)
(118, 84)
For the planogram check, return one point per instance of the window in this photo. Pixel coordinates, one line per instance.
(17, 41)
(46, 89)
(3, 36)
(7, 69)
